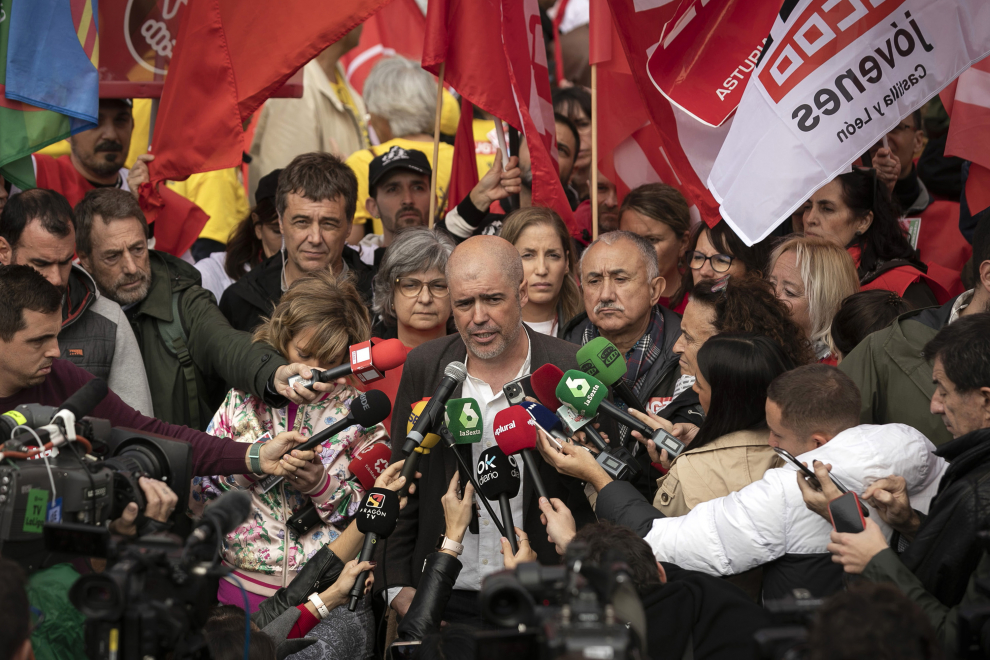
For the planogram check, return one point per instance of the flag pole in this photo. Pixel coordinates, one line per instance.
(436, 147)
(594, 151)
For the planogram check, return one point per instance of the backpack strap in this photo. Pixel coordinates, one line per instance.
(175, 338)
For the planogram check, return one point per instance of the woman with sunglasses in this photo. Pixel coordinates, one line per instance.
(715, 252)
(412, 303)
(856, 212)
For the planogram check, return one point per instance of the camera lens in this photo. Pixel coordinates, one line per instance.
(97, 596)
(133, 461)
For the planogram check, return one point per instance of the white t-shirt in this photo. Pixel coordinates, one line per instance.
(548, 328)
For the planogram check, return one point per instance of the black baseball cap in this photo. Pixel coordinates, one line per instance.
(397, 158)
(267, 186)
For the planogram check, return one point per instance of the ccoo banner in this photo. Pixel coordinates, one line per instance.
(835, 77)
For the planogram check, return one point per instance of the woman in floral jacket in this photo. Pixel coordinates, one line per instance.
(315, 322)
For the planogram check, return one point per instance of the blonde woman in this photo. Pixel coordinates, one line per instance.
(549, 266)
(315, 322)
(812, 276)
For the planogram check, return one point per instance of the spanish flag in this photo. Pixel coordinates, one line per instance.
(49, 82)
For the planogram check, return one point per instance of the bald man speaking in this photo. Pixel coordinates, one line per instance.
(487, 292)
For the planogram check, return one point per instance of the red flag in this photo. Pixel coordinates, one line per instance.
(464, 173)
(229, 57)
(398, 28)
(178, 221)
(967, 100)
(495, 57)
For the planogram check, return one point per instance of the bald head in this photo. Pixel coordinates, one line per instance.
(486, 257)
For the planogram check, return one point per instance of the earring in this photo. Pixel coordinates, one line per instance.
(859, 233)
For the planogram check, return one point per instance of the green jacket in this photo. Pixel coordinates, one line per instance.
(221, 357)
(894, 378)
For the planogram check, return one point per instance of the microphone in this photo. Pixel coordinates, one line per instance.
(369, 464)
(226, 513)
(367, 361)
(498, 479)
(77, 406)
(515, 433)
(369, 409)
(545, 420)
(453, 375)
(463, 425)
(376, 519)
(601, 359)
(544, 383)
(429, 442)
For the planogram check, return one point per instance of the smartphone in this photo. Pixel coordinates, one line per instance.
(848, 514)
(516, 391)
(812, 479)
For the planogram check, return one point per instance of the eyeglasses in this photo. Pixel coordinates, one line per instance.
(411, 288)
(720, 262)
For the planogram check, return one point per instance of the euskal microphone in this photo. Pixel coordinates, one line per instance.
(227, 512)
(369, 464)
(515, 433)
(453, 375)
(385, 355)
(498, 479)
(601, 359)
(428, 443)
(376, 519)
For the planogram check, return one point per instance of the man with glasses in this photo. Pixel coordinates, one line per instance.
(621, 285)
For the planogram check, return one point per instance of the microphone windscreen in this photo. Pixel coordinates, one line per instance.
(515, 430)
(229, 510)
(581, 392)
(87, 397)
(463, 420)
(601, 359)
(388, 354)
(370, 463)
(497, 474)
(456, 370)
(378, 513)
(543, 416)
(544, 383)
(431, 439)
(370, 408)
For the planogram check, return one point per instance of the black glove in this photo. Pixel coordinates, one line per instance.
(319, 573)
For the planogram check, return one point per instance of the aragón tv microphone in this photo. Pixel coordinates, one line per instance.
(367, 361)
(370, 463)
(515, 433)
(601, 359)
(453, 375)
(376, 519)
(223, 515)
(498, 479)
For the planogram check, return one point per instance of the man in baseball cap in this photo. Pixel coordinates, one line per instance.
(399, 194)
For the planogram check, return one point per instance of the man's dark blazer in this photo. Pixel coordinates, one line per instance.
(421, 522)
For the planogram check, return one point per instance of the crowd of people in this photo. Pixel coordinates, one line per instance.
(831, 342)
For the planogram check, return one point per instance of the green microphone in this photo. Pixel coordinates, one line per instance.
(463, 419)
(581, 393)
(601, 359)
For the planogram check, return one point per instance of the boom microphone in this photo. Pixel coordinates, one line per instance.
(376, 519)
(87, 397)
(601, 359)
(369, 464)
(515, 433)
(453, 375)
(226, 513)
(367, 361)
(498, 479)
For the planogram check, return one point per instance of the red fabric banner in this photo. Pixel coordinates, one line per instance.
(464, 173)
(967, 100)
(398, 28)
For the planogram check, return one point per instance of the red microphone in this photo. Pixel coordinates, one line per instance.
(368, 361)
(544, 383)
(515, 433)
(370, 463)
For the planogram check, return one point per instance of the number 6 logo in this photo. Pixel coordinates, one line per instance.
(469, 418)
(578, 386)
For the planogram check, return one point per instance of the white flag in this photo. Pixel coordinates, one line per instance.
(836, 76)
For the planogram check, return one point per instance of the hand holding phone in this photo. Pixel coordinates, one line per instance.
(848, 514)
(811, 477)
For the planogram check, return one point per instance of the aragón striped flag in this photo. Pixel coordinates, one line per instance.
(49, 84)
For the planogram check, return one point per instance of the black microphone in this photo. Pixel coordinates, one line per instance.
(85, 398)
(376, 519)
(432, 415)
(226, 513)
(498, 479)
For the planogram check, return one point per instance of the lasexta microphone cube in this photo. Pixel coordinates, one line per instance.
(463, 419)
(581, 392)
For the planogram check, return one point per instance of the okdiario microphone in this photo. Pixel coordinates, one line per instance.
(515, 433)
(226, 513)
(601, 359)
(370, 463)
(367, 361)
(453, 375)
(498, 479)
(376, 519)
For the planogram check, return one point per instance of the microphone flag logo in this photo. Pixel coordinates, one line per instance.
(469, 418)
(375, 501)
(578, 386)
